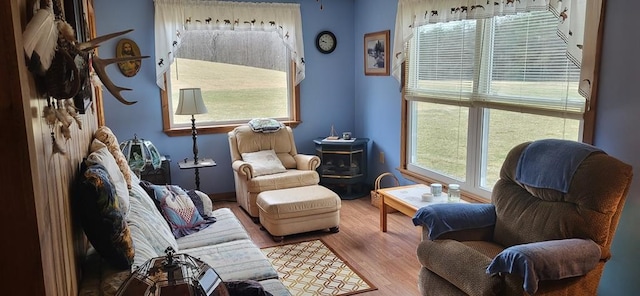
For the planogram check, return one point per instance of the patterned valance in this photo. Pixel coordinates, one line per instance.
(571, 15)
(174, 17)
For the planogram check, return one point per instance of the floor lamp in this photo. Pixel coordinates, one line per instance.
(191, 103)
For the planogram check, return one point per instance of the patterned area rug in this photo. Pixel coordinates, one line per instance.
(311, 268)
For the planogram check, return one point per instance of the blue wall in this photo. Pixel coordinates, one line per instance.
(327, 93)
(337, 91)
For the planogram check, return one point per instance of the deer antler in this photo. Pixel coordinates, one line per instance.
(99, 66)
(95, 42)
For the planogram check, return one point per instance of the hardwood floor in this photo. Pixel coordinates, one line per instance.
(388, 260)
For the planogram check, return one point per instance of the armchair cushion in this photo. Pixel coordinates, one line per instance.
(443, 218)
(264, 162)
(547, 260)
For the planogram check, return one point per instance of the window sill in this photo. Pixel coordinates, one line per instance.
(218, 129)
(413, 176)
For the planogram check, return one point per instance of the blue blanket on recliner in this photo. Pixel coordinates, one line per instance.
(551, 163)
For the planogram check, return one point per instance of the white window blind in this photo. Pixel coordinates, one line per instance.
(441, 66)
(515, 63)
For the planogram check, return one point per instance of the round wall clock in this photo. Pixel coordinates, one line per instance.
(326, 42)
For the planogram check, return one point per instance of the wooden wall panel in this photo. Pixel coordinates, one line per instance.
(42, 244)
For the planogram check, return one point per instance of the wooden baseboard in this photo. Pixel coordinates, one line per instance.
(225, 196)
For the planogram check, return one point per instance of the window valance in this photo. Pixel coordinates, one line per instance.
(571, 15)
(173, 17)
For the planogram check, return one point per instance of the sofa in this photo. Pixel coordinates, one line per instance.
(126, 226)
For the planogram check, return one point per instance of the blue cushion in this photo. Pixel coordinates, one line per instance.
(103, 222)
(548, 260)
(447, 217)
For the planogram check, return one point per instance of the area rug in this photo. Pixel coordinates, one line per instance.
(312, 268)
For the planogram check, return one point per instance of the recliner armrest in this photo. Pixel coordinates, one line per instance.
(547, 260)
(448, 217)
(469, 234)
(243, 168)
(306, 162)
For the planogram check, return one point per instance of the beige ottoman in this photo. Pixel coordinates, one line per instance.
(297, 210)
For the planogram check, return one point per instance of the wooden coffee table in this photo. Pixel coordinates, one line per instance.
(405, 199)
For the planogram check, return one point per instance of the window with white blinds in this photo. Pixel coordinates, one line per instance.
(477, 88)
(515, 62)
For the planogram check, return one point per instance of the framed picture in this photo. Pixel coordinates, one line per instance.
(128, 48)
(376, 53)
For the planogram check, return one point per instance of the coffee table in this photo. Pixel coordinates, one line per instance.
(405, 199)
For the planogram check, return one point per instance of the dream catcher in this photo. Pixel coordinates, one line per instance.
(65, 67)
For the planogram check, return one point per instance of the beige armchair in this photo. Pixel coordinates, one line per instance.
(300, 168)
(562, 237)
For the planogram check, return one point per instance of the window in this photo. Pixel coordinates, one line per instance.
(476, 88)
(235, 87)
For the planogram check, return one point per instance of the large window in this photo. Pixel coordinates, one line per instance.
(476, 88)
(242, 74)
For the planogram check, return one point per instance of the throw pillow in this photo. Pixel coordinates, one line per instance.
(202, 202)
(103, 157)
(178, 209)
(106, 136)
(548, 260)
(264, 162)
(102, 221)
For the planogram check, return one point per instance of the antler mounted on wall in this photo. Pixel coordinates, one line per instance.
(99, 64)
(52, 51)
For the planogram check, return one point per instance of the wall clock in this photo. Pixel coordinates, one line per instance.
(326, 42)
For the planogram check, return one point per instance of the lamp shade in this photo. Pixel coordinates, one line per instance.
(191, 102)
(140, 153)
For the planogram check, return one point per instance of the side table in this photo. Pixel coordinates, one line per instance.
(407, 200)
(202, 163)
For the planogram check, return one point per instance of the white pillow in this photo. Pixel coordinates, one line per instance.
(103, 156)
(264, 162)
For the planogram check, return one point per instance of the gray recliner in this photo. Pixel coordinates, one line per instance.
(456, 262)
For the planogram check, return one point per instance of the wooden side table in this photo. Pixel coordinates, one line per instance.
(406, 199)
(187, 164)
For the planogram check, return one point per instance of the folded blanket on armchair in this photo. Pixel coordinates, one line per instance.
(563, 156)
(447, 217)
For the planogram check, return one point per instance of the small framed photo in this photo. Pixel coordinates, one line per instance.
(128, 48)
(376, 53)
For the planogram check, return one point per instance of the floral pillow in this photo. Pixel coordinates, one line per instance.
(101, 218)
(178, 209)
(106, 136)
